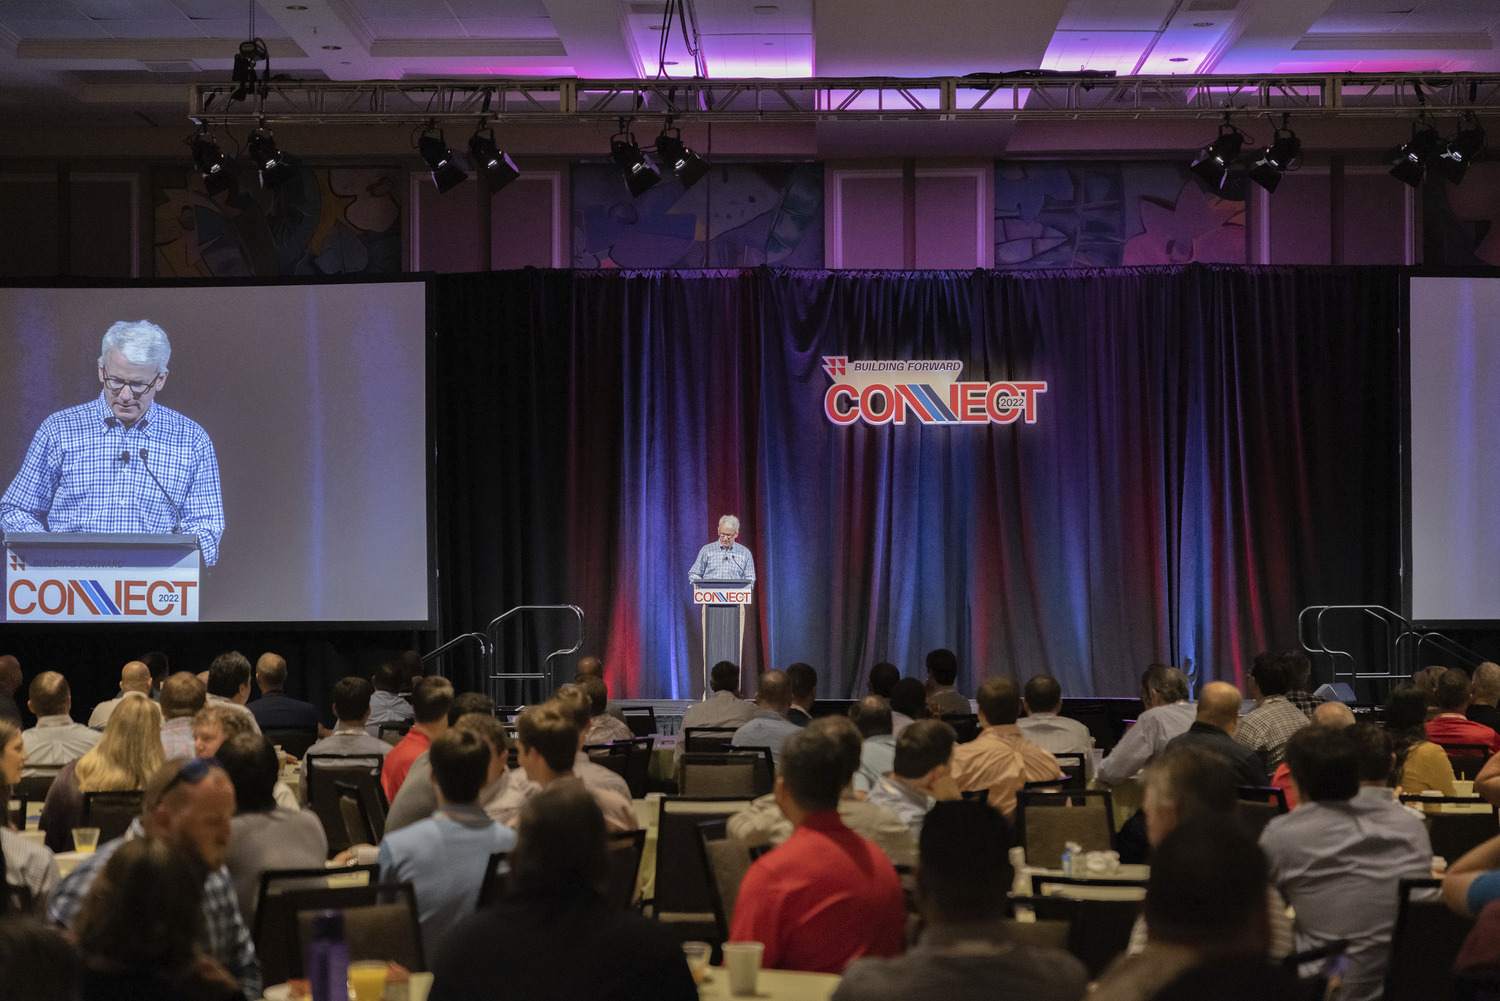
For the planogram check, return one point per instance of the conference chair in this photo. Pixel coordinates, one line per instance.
(272, 918)
(111, 812)
(1259, 805)
(380, 922)
(682, 895)
(739, 774)
(1048, 819)
(358, 825)
(640, 719)
(1072, 767)
(31, 789)
(630, 759)
(392, 733)
(1467, 759)
(1454, 834)
(707, 738)
(293, 740)
(726, 860)
(1424, 943)
(1098, 930)
(966, 725)
(622, 866)
(321, 774)
(496, 885)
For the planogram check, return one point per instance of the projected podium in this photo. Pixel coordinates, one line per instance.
(100, 577)
(723, 603)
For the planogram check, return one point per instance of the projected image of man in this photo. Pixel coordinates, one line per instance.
(121, 462)
(725, 559)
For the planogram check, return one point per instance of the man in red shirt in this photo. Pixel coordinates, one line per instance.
(826, 896)
(1450, 725)
(430, 698)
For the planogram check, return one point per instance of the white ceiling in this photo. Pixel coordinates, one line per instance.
(143, 51)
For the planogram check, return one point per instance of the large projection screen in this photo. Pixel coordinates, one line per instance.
(314, 397)
(1453, 525)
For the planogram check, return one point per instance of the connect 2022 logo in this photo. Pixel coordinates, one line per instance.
(889, 392)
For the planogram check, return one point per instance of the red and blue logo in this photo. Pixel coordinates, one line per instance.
(890, 392)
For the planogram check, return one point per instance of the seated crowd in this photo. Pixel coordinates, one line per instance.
(884, 852)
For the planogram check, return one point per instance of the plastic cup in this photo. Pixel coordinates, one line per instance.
(697, 954)
(85, 839)
(742, 961)
(367, 979)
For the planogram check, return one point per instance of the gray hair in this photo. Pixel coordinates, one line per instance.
(731, 521)
(141, 342)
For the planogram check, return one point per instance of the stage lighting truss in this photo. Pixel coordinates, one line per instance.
(447, 167)
(493, 163)
(216, 168)
(275, 167)
(688, 166)
(1215, 160)
(641, 174)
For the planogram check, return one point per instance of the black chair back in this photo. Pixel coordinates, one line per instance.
(623, 866)
(1098, 930)
(271, 925)
(322, 773)
(1046, 820)
(640, 719)
(380, 922)
(111, 812)
(681, 878)
(1071, 765)
(726, 860)
(1466, 759)
(31, 789)
(966, 725)
(293, 740)
(707, 738)
(722, 775)
(1424, 943)
(1455, 834)
(496, 883)
(392, 733)
(1259, 805)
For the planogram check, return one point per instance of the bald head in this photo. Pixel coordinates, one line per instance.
(775, 692)
(1486, 686)
(10, 674)
(1219, 705)
(135, 677)
(270, 672)
(1333, 714)
(591, 667)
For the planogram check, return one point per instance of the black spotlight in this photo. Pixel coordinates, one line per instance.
(1412, 158)
(1214, 159)
(1454, 160)
(216, 168)
(687, 165)
(640, 172)
(447, 170)
(1282, 155)
(491, 161)
(244, 78)
(275, 166)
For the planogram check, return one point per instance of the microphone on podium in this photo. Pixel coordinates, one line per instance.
(176, 511)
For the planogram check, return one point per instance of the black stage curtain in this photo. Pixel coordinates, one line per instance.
(1216, 448)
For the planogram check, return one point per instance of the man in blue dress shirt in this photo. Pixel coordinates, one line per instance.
(725, 559)
(90, 467)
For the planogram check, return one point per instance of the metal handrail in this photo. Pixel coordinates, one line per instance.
(484, 647)
(546, 672)
(1403, 651)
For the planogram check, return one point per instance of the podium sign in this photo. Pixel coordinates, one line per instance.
(100, 576)
(723, 603)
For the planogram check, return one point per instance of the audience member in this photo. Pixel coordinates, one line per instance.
(965, 951)
(228, 684)
(1426, 682)
(351, 708)
(1214, 730)
(430, 699)
(883, 678)
(182, 697)
(764, 822)
(942, 698)
(603, 728)
(1484, 693)
(264, 835)
(723, 708)
(189, 804)
(547, 741)
(1266, 728)
(1338, 857)
(504, 791)
(827, 896)
(592, 774)
(1190, 784)
(412, 669)
(871, 715)
(10, 683)
(138, 929)
(30, 869)
(1451, 725)
(386, 705)
(1000, 759)
(769, 727)
(1046, 728)
(593, 667)
(125, 758)
(909, 700)
(215, 724)
(156, 661)
(1331, 714)
(275, 710)
(36, 962)
(135, 682)
(1473, 881)
(56, 739)
(554, 937)
(1205, 898)
(1164, 693)
(1420, 765)
(445, 856)
(1299, 676)
(920, 774)
(804, 682)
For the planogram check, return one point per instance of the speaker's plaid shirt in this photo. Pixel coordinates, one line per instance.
(714, 562)
(73, 479)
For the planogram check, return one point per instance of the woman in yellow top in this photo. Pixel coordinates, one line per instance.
(1421, 766)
